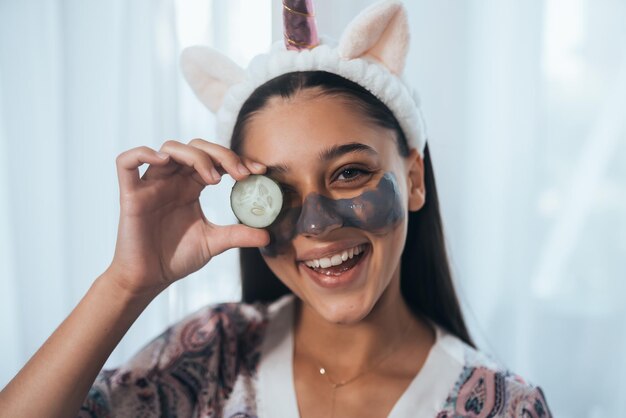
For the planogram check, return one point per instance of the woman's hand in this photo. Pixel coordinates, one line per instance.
(162, 234)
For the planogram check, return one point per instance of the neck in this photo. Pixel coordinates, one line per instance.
(349, 348)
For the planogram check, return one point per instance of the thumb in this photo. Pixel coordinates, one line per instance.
(224, 237)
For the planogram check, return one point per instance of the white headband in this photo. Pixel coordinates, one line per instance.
(371, 52)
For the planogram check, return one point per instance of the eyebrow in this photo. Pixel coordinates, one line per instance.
(326, 155)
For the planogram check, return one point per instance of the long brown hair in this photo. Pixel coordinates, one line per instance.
(425, 278)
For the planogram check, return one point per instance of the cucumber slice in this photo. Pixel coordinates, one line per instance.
(256, 201)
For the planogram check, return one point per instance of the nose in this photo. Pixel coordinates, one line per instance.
(318, 216)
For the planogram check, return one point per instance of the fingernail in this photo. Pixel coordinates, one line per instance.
(162, 155)
(257, 166)
(215, 174)
(242, 169)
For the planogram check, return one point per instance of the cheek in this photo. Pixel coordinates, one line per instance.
(284, 269)
(282, 266)
(282, 232)
(388, 247)
(378, 211)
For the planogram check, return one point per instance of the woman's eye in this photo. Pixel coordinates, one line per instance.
(351, 174)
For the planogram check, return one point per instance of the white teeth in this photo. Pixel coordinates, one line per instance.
(335, 259)
(325, 263)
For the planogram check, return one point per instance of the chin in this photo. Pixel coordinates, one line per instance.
(342, 309)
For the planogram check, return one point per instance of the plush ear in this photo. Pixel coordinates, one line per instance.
(210, 74)
(380, 31)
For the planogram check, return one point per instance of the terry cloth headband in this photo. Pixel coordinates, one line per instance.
(371, 52)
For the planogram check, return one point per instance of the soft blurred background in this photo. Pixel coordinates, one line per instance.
(525, 104)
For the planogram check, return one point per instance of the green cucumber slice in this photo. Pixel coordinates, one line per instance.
(256, 201)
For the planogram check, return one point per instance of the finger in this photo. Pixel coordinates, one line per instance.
(225, 159)
(129, 161)
(193, 161)
(165, 171)
(254, 166)
(225, 237)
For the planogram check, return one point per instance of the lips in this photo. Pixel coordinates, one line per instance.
(328, 251)
(336, 258)
(341, 275)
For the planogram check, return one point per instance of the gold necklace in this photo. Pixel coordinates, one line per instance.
(337, 385)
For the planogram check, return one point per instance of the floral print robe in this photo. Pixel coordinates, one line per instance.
(235, 360)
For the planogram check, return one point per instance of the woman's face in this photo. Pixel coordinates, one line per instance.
(338, 240)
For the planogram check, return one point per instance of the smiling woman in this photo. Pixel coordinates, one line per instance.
(349, 306)
(361, 247)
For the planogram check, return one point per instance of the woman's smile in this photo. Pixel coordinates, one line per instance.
(340, 269)
(336, 259)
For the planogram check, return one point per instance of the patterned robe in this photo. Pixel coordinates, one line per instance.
(235, 360)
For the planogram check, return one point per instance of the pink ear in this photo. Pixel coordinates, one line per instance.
(210, 74)
(380, 31)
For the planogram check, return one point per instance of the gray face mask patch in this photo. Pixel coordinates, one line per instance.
(377, 211)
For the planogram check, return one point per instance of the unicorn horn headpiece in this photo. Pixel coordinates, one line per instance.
(371, 52)
(299, 22)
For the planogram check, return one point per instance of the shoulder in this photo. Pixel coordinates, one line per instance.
(486, 388)
(198, 356)
(226, 331)
(200, 332)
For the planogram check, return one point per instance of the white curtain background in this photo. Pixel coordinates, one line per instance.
(524, 102)
(81, 82)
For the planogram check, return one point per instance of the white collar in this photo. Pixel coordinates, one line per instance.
(424, 397)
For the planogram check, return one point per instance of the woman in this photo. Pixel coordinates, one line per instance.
(349, 307)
